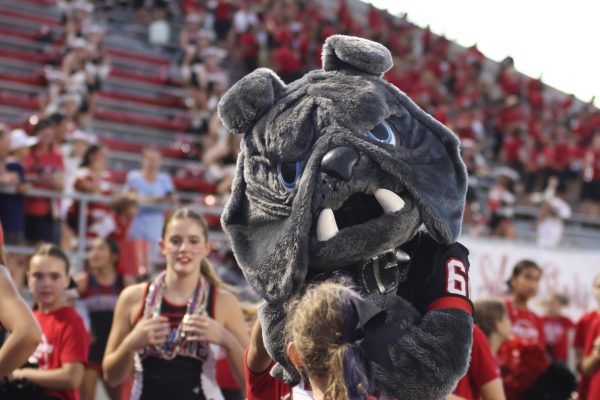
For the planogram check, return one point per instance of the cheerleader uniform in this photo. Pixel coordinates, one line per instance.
(100, 302)
(191, 374)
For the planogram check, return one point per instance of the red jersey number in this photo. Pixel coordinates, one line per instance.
(457, 279)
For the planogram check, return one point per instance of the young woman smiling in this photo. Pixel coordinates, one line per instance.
(166, 330)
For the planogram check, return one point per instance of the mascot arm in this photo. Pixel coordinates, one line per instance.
(431, 354)
(428, 357)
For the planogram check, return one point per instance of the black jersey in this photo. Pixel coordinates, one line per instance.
(100, 302)
(191, 375)
(438, 275)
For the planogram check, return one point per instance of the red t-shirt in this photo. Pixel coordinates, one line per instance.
(526, 324)
(593, 388)
(482, 369)
(64, 340)
(36, 165)
(556, 331)
(263, 386)
(581, 330)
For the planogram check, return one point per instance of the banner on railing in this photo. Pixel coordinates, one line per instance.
(569, 272)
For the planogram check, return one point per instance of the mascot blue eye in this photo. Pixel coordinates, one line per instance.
(289, 173)
(382, 133)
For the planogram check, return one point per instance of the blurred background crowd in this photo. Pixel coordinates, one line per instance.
(108, 120)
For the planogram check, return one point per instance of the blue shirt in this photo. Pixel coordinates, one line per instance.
(149, 221)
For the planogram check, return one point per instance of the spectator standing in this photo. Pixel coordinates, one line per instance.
(93, 178)
(159, 31)
(12, 206)
(44, 168)
(557, 328)
(501, 202)
(590, 191)
(554, 210)
(61, 356)
(151, 186)
(523, 286)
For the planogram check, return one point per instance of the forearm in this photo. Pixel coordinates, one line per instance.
(58, 379)
(258, 360)
(119, 364)
(493, 390)
(235, 356)
(590, 364)
(17, 348)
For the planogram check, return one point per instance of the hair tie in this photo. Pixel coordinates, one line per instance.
(369, 334)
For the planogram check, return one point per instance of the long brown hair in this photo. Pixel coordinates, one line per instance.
(319, 326)
(206, 268)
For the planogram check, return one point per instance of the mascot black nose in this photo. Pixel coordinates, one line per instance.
(340, 162)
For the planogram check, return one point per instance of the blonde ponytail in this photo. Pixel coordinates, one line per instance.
(319, 325)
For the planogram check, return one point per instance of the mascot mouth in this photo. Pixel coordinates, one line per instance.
(358, 209)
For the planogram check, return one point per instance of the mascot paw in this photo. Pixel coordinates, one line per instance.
(289, 376)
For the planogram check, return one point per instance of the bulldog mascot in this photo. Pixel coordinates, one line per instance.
(342, 175)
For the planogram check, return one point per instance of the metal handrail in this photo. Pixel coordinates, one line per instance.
(85, 198)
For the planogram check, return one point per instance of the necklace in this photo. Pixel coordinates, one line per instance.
(196, 306)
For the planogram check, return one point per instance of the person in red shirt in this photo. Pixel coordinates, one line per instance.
(523, 285)
(527, 327)
(492, 328)
(557, 327)
(93, 178)
(582, 328)
(44, 168)
(590, 365)
(590, 191)
(64, 349)
(482, 380)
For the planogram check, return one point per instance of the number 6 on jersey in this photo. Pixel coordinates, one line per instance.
(457, 278)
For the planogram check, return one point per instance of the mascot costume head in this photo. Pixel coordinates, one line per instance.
(341, 174)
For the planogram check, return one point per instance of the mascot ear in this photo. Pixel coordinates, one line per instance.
(350, 52)
(249, 99)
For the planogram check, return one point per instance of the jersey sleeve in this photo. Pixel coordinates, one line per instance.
(263, 386)
(448, 284)
(75, 342)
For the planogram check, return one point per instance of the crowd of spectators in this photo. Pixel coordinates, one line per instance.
(513, 129)
(503, 118)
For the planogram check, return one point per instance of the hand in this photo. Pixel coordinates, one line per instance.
(20, 373)
(204, 328)
(149, 331)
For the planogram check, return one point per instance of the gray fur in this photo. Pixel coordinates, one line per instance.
(341, 52)
(272, 229)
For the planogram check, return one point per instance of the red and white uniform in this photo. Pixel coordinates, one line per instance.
(526, 324)
(556, 332)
